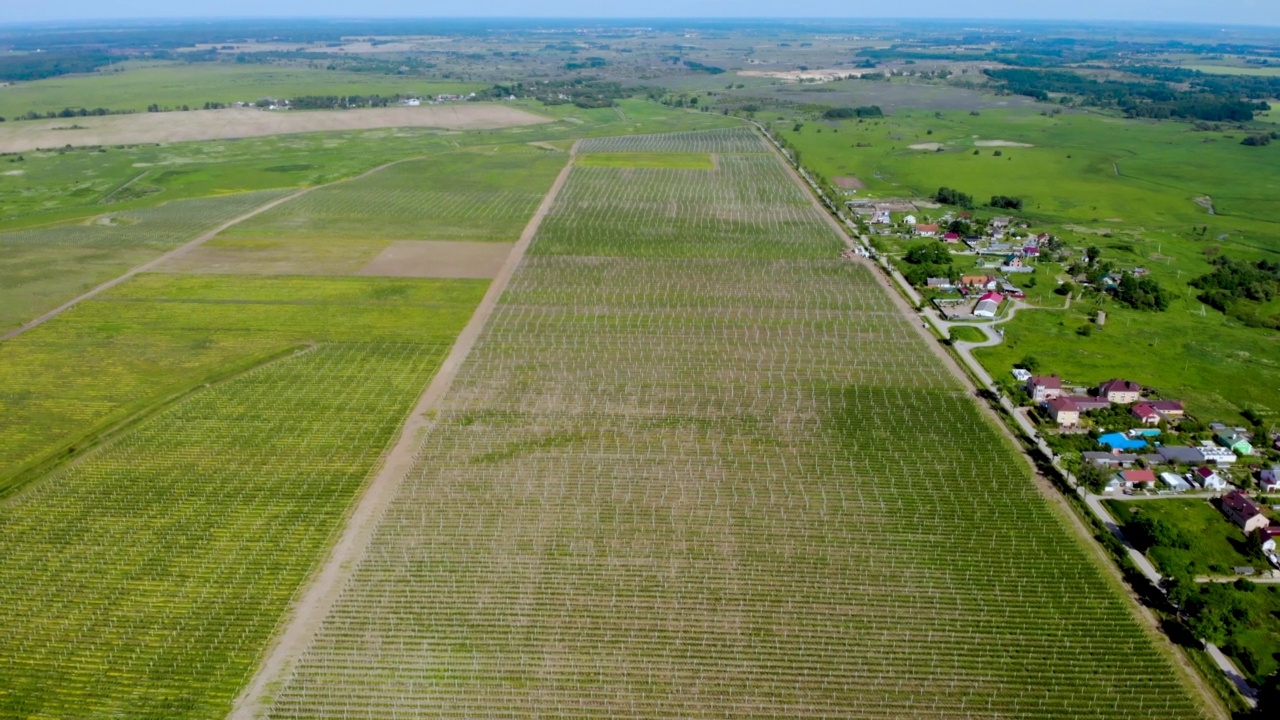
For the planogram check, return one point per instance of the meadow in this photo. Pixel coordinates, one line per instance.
(1126, 187)
(171, 85)
(692, 473)
(145, 580)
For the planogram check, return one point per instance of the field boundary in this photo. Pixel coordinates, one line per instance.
(1145, 617)
(186, 248)
(317, 599)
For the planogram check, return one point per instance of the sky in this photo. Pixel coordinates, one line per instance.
(1244, 12)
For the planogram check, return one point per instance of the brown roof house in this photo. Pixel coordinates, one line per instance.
(1120, 391)
(1043, 388)
(1242, 511)
(1064, 412)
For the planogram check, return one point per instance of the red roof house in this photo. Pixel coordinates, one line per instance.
(1146, 414)
(1135, 477)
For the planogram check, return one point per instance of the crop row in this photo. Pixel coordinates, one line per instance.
(452, 196)
(733, 485)
(144, 581)
(159, 334)
(725, 140)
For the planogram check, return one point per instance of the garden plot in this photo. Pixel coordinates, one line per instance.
(687, 473)
(426, 259)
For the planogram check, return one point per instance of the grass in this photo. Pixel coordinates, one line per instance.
(1220, 544)
(687, 472)
(175, 84)
(1125, 186)
(967, 334)
(683, 161)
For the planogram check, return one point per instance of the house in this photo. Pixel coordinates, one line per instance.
(1174, 482)
(1013, 260)
(985, 282)
(1134, 478)
(1208, 479)
(951, 237)
(1106, 459)
(910, 219)
(1064, 412)
(939, 283)
(1146, 414)
(1118, 441)
(1235, 442)
(1120, 391)
(1267, 538)
(1031, 251)
(1180, 455)
(1043, 388)
(1001, 223)
(927, 230)
(1242, 511)
(1168, 408)
(1087, 403)
(1269, 479)
(988, 305)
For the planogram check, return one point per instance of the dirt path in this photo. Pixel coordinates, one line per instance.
(180, 251)
(1047, 490)
(320, 595)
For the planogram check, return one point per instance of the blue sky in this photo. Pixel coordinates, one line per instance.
(1252, 12)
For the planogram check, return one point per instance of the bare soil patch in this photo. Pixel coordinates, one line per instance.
(927, 146)
(1001, 143)
(246, 122)
(849, 183)
(437, 259)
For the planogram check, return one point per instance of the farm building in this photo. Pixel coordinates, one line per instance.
(1043, 388)
(1120, 391)
(1208, 479)
(1106, 459)
(1180, 455)
(1243, 511)
(988, 305)
(1216, 455)
(1064, 412)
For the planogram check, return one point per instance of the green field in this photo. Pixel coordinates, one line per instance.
(44, 267)
(693, 474)
(683, 161)
(1127, 187)
(172, 85)
(1220, 544)
(145, 580)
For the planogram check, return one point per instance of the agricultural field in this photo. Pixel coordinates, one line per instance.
(1129, 188)
(717, 472)
(172, 85)
(44, 267)
(145, 580)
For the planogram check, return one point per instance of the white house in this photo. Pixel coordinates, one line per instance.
(1269, 480)
(910, 219)
(1174, 482)
(1206, 477)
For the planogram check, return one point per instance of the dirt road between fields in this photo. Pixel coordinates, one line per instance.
(170, 127)
(320, 595)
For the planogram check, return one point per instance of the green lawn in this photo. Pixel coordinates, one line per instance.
(967, 334)
(1220, 545)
